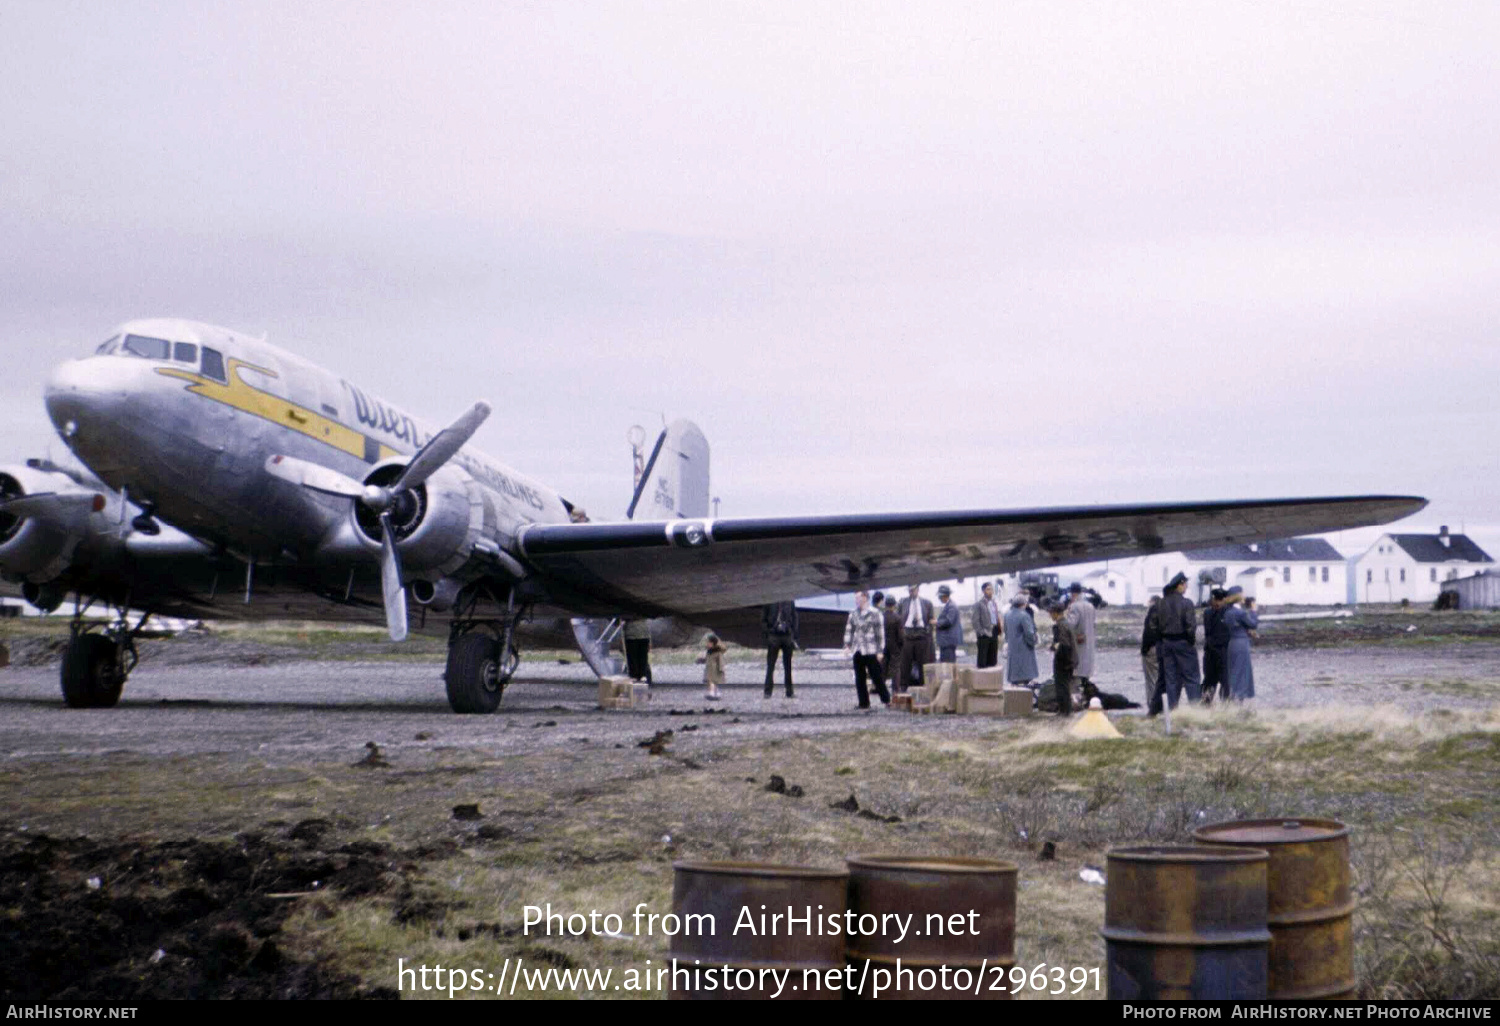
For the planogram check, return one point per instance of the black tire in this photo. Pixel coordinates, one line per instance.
(475, 678)
(91, 673)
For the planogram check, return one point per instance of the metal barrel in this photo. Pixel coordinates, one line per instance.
(1309, 902)
(798, 954)
(1185, 922)
(961, 934)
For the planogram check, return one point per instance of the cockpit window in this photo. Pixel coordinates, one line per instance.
(105, 348)
(213, 365)
(150, 348)
(185, 352)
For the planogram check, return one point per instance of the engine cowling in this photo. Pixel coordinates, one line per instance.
(437, 524)
(38, 549)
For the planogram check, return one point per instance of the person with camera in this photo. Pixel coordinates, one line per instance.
(778, 622)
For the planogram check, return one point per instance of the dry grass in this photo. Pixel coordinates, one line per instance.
(600, 830)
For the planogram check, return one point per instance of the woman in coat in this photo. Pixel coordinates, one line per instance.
(1020, 644)
(1240, 621)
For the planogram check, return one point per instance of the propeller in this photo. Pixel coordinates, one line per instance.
(381, 499)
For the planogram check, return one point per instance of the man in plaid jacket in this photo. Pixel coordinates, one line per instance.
(864, 638)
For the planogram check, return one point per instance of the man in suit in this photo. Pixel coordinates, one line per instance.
(778, 625)
(986, 621)
(1179, 649)
(950, 627)
(892, 657)
(1081, 618)
(915, 615)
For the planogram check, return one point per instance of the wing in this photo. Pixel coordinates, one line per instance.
(698, 566)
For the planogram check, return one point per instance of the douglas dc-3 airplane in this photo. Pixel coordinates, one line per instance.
(234, 480)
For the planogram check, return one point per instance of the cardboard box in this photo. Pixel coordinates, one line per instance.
(640, 694)
(963, 677)
(1017, 701)
(614, 692)
(946, 699)
(990, 681)
(975, 703)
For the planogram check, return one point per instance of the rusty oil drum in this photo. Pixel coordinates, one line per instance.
(725, 890)
(1185, 922)
(940, 887)
(1309, 903)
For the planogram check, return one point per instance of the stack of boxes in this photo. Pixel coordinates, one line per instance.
(969, 691)
(623, 693)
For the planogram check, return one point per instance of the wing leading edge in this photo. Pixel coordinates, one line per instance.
(695, 566)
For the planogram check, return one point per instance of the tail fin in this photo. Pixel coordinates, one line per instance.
(674, 483)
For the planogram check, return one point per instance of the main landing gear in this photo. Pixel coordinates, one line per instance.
(98, 659)
(477, 671)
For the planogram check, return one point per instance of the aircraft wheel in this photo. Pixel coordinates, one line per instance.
(475, 677)
(91, 677)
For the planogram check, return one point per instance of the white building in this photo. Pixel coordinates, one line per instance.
(1113, 587)
(1281, 572)
(1413, 566)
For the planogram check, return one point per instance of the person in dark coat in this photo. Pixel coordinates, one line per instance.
(1179, 648)
(778, 625)
(1064, 657)
(1151, 653)
(950, 627)
(637, 637)
(1241, 624)
(1215, 641)
(914, 615)
(892, 658)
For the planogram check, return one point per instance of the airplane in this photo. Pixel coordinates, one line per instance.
(227, 478)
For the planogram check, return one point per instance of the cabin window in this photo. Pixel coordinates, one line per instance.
(213, 365)
(1312, 575)
(1403, 575)
(185, 352)
(1432, 575)
(148, 347)
(1286, 575)
(105, 348)
(1369, 576)
(1325, 575)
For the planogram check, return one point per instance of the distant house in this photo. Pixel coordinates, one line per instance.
(1281, 571)
(1113, 587)
(1414, 566)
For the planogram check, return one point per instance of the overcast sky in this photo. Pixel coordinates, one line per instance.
(887, 256)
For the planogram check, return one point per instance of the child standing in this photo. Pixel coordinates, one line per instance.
(713, 666)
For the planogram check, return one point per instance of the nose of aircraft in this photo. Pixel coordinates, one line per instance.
(80, 393)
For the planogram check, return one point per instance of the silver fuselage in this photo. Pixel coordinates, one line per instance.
(191, 438)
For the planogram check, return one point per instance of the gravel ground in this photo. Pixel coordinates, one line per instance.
(309, 711)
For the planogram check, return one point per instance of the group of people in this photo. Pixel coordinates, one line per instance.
(890, 641)
(1169, 657)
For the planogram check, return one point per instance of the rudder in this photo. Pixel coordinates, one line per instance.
(674, 482)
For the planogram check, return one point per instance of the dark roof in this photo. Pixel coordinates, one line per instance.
(1428, 548)
(1292, 550)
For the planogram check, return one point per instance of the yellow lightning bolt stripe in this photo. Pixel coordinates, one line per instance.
(241, 395)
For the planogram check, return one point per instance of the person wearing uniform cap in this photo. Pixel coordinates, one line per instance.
(950, 627)
(1215, 641)
(1239, 621)
(1179, 650)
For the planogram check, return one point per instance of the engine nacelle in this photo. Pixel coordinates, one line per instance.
(437, 524)
(34, 548)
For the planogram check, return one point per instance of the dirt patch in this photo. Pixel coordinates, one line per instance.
(146, 920)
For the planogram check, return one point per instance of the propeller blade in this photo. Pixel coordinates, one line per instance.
(51, 505)
(314, 477)
(390, 580)
(441, 448)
